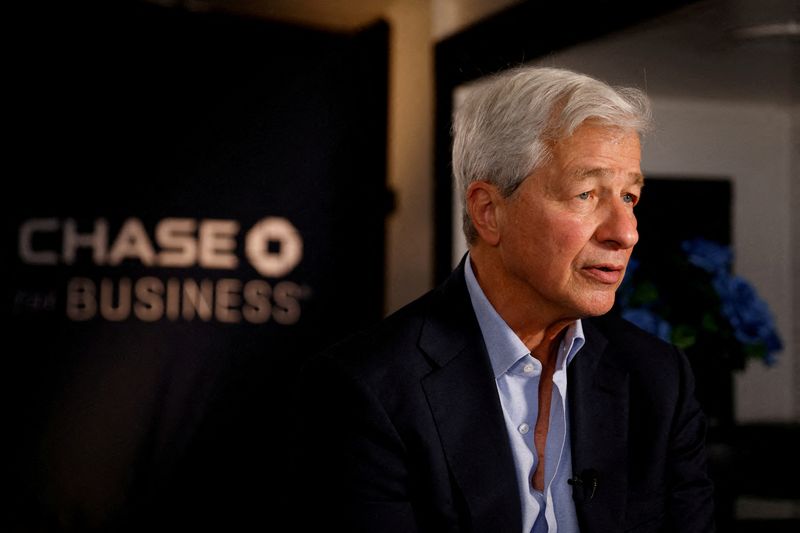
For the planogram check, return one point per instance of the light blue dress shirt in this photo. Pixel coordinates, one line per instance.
(517, 373)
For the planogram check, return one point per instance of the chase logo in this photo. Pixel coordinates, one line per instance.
(272, 247)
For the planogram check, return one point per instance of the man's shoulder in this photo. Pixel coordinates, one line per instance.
(444, 312)
(631, 345)
(390, 346)
(618, 330)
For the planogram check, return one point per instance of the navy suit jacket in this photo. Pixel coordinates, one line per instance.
(400, 429)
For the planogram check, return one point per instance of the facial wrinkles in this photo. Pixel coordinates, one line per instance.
(550, 237)
(610, 171)
(618, 154)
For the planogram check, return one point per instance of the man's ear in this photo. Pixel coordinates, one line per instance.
(482, 200)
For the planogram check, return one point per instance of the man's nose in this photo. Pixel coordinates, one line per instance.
(618, 227)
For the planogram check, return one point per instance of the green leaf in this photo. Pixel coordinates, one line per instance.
(684, 336)
(709, 323)
(756, 351)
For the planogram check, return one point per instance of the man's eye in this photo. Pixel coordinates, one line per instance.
(585, 195)
(629, 198)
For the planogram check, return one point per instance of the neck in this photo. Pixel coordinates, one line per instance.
(544, 344)
(540, 331)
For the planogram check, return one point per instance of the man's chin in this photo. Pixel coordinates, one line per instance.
(598, 306)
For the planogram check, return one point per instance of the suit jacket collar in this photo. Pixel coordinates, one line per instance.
(598, 406)
(462, 395)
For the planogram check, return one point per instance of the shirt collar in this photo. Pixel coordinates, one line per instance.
(503, 345)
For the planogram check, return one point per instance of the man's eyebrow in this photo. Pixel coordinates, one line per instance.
(599, 172)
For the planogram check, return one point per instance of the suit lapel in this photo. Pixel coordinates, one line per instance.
(462, 395)
(599, 402)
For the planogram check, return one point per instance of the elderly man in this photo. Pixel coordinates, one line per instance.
(503, 401)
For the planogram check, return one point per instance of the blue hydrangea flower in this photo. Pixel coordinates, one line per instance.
(688, 314)
(748, 314)
(708, 255)
(649, 321)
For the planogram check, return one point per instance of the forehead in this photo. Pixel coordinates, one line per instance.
(599, 151)
(587, 173)
(594, 136)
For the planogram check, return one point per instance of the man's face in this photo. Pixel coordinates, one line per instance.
(567, 232)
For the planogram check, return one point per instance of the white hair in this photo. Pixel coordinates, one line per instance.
(504, 129)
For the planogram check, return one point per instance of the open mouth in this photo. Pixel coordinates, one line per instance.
(609, 274)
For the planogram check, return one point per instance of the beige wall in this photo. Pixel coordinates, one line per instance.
(451, 16)
(795, 250)
(409, 258)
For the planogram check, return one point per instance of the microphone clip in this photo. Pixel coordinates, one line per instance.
(587, 480)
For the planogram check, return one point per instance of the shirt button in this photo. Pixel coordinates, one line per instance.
(528, 368)
(524, 428)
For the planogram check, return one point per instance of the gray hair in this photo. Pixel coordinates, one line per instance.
(504, 129)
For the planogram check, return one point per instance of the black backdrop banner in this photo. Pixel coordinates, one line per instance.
(194, 202)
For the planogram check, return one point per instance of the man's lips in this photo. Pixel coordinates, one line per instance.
(606, 273)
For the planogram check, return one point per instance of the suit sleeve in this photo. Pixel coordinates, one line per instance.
(691, 506)
(350, 468)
